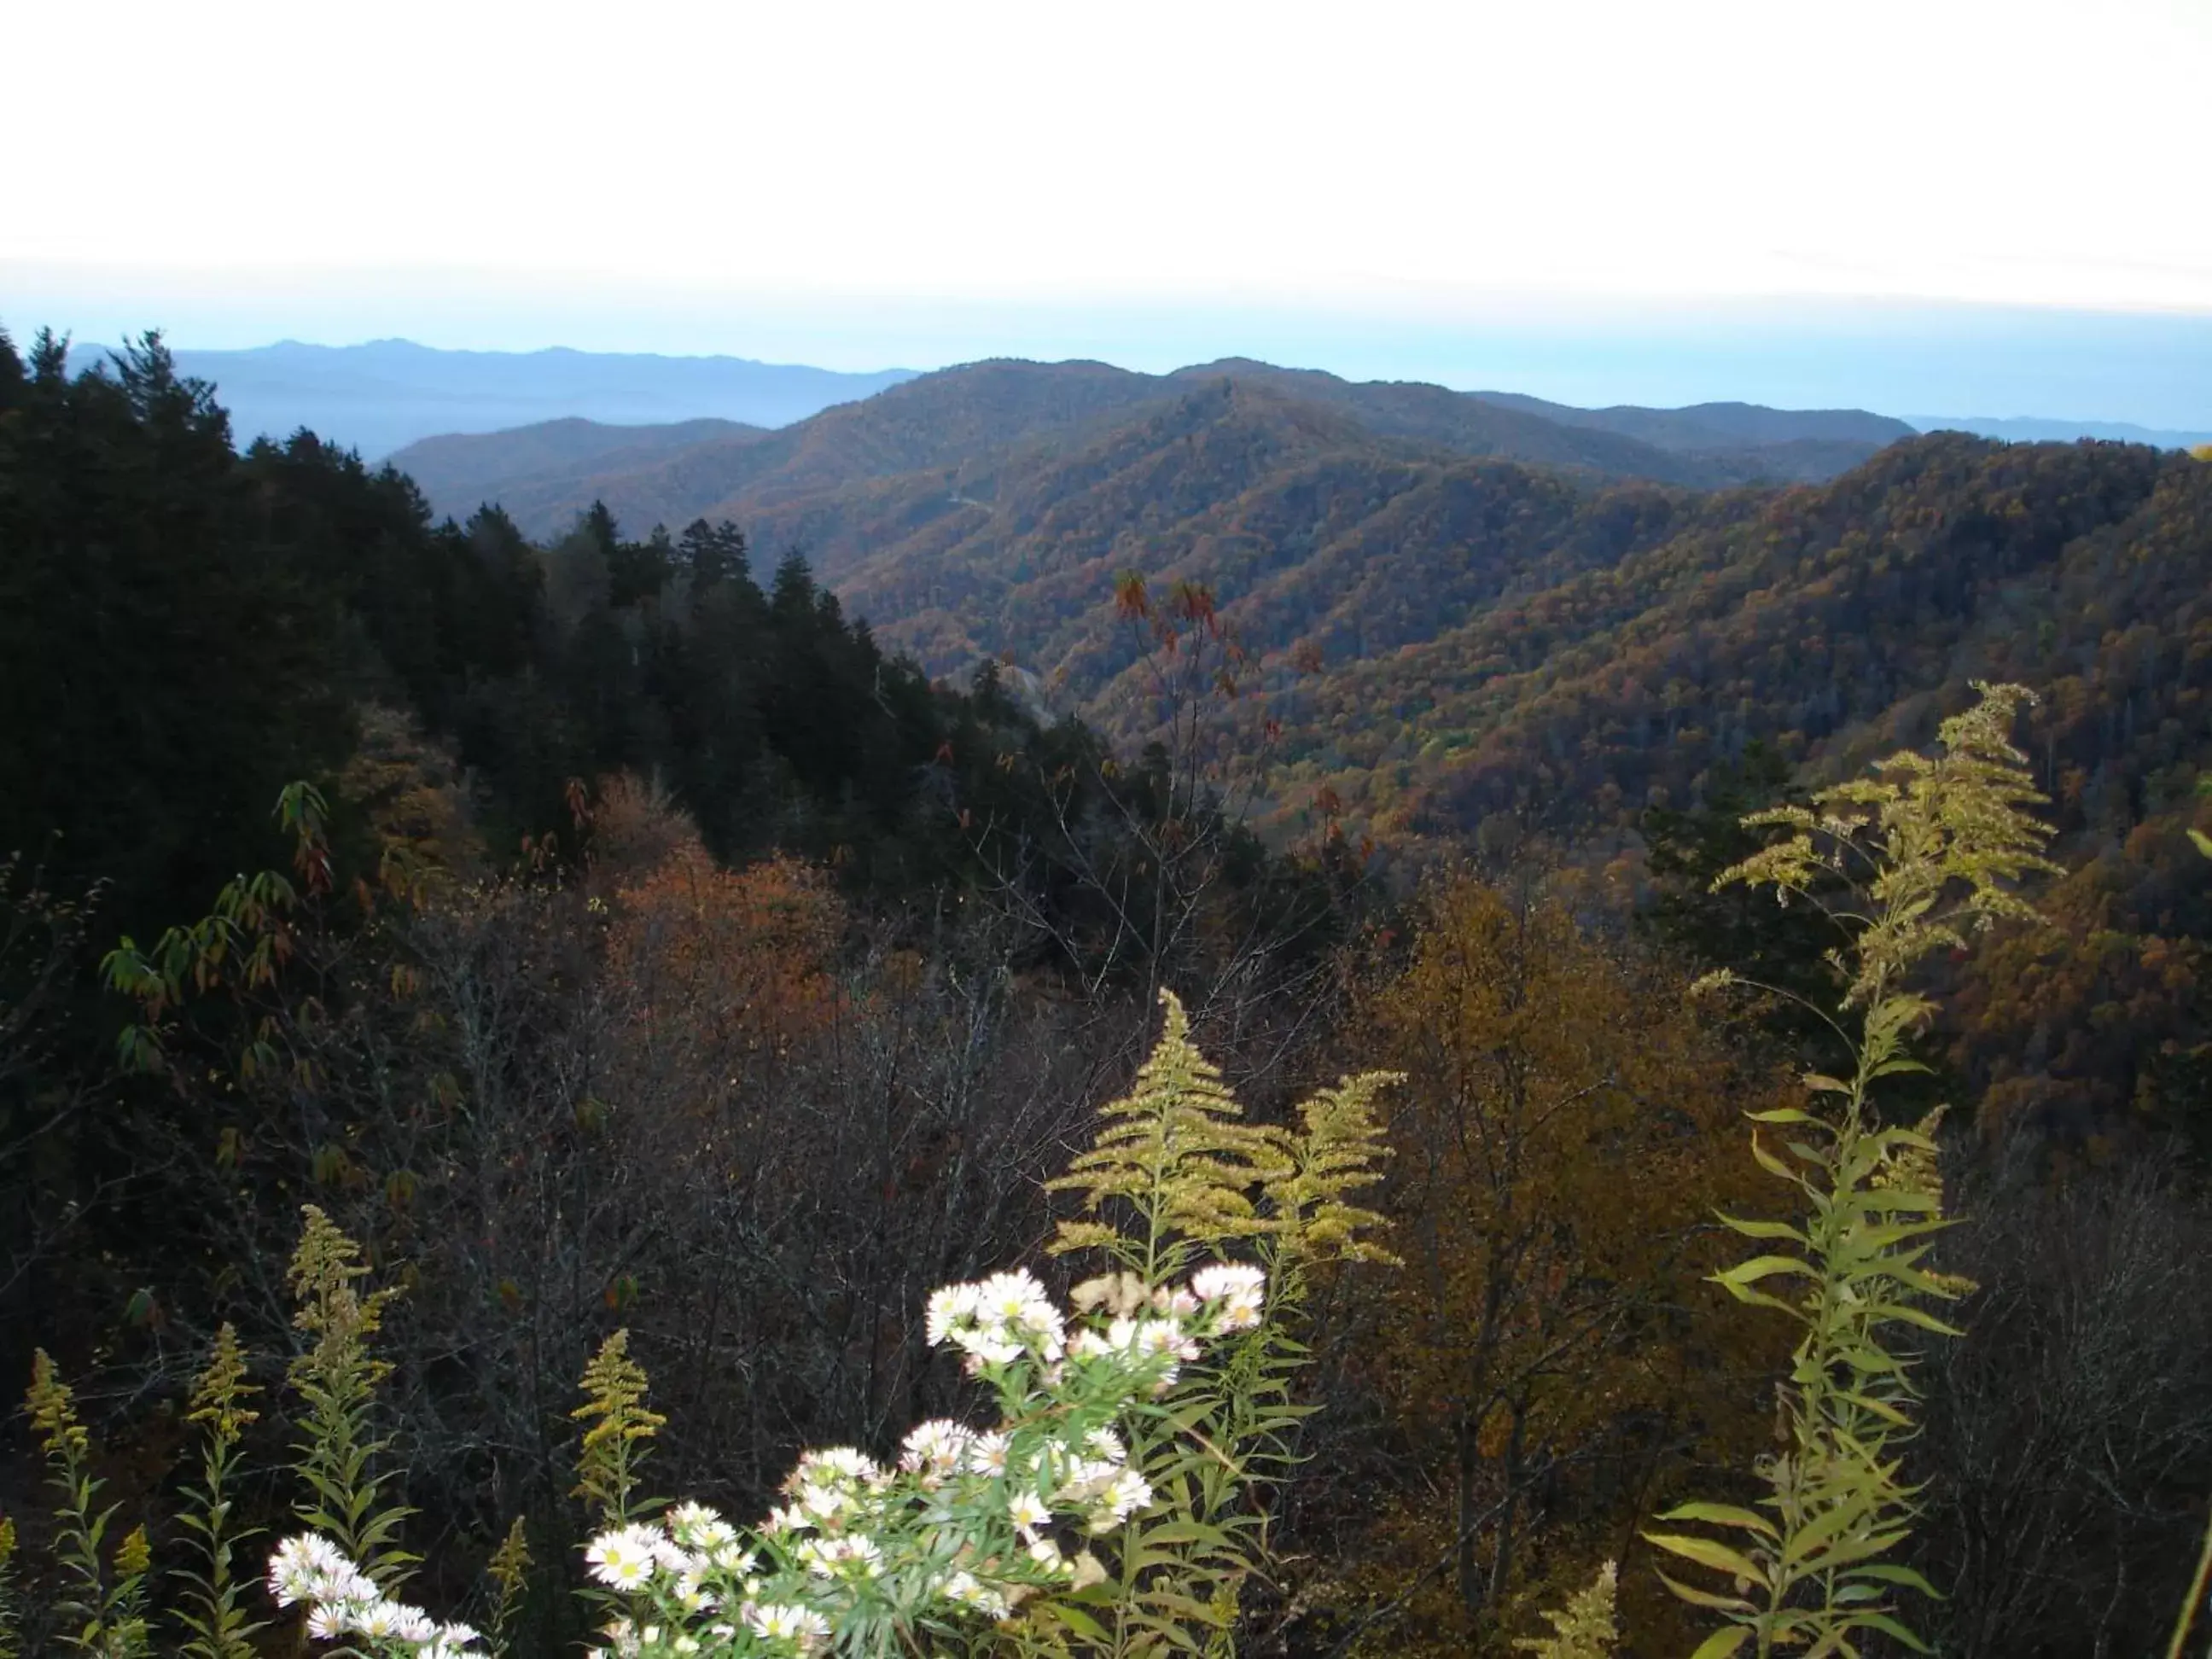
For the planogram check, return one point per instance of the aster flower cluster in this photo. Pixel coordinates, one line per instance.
(1008, 1318)
(695, 1562)
(964, 1522)
(343, 1600)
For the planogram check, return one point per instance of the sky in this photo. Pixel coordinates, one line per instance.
(1562, 197)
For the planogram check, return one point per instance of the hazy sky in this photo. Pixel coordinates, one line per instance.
(881, 181)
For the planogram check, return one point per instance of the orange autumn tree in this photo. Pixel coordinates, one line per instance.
(1565, 1134)
(729, 960)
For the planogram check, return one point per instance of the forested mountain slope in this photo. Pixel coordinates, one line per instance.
(1829, 621)
(462, 470)
(946, 433)
(938, 421)
(1310, 526)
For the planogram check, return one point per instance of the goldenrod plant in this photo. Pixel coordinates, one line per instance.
(339, 1457)
(616, 1445)
(213, 1609)
(509, 1573)
(1924, 854)
(1586, 1630)
(101, 1607)
(1176, 1175)
(621, 1432)
(11, 1607)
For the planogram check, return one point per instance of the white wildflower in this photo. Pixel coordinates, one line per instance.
(1086, 1478)
(1221, 1278)
(379, 1621)
(623, 1559)
(331, 1620)
(965, 1588)
(954, 1305)
(824, 1504)
(687, 1522)
(1028, 1511)
(988, 1344)
(775, 1620)
(297, 1563)
(986, 1453)
(413, 1624)
(934, 1447)
(1123, 1497)
(1018, 1304)
(840, 1467)
(790, 1519)
(1239, 1288)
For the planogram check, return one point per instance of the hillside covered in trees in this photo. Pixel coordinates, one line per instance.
(706, 897)
(1024, 434)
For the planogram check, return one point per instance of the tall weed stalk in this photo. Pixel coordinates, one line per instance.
(101, 1605)
(1176, 1177)
(211, 1593)
(338, 1454)
(1924, 854)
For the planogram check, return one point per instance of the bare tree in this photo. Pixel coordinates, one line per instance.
(2067, 1445)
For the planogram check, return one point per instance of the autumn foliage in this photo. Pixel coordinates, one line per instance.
(728, 956)
(1552, 1364)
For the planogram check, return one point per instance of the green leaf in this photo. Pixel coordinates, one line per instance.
(1731, 1604)
(1889, 1573)
(1722, 1643)
(1890, 1627)
(1184, 1532)
(1758, 1298)
(1768, 1229)
(1771, 1164)
(1708, 1553)
(1723, 1514)
(1910, 1315)
(1765, 1266)
(1079, 1621)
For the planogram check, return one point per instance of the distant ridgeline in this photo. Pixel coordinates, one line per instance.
(377, 396)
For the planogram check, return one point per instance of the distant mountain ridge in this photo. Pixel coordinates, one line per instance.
(981, 417)
(386, 394)
(2036, 429)
(1705, 427)
(492, 466)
